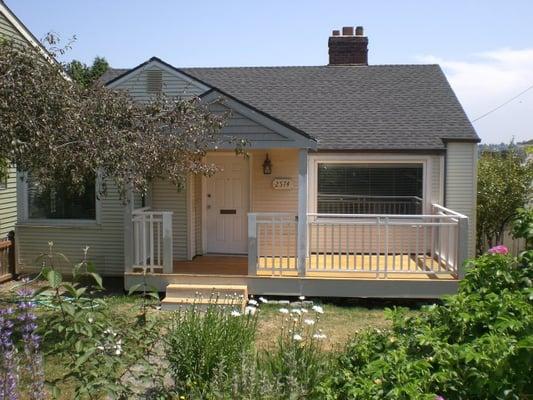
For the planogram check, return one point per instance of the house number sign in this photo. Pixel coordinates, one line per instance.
(282, 183)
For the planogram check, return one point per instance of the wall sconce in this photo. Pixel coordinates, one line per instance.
(267, 166)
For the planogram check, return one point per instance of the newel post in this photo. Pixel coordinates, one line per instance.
(252, 244)
(302, 211)
(167, 243)
(462, 245)
(128, 232)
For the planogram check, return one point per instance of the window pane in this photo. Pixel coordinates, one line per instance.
(61, 203)
(370, 188)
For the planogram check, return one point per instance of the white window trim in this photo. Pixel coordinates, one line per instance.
(369, 158)
(23, 208)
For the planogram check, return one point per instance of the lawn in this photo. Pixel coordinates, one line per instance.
(340, 322)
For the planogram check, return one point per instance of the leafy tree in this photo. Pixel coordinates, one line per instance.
(86, 75)
(56, 128)
(504, 185)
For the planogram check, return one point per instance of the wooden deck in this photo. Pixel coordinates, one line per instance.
(351, 267)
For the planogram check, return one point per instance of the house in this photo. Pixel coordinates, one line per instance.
(11, 28)
(360, 181)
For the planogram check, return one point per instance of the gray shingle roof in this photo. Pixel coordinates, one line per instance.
(381, 107)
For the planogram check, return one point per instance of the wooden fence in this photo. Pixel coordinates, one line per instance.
(7, 257)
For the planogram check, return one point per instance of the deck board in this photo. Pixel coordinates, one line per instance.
(351, 267)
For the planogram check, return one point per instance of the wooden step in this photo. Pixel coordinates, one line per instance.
(206, 290)
(172, 303)
(223, 295)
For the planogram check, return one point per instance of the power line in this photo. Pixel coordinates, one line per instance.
(503, 104)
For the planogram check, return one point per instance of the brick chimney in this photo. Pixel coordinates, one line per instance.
(348, 48)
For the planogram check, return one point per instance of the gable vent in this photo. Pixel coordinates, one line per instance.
(154, 81)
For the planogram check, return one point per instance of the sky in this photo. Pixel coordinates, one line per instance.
(485, 47)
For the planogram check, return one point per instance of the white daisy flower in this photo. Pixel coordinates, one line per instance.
(297, 337)
(283, 311)
(318, 309)
(302, 298)
(235, 313)
(249, 310)
(263, 300)
(319, 336)
(309, 322)
(296, 311)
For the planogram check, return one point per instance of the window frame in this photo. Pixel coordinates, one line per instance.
(315, 160)
(23, 207)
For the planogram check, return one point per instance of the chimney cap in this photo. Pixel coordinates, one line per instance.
(335, 32)
(347, 31)
(359, 31)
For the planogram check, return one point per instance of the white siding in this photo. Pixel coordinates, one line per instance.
(436, 179)
(461, 185)
(172, 85)
(239, 126)
(166, 197)
(8, 30)
(8, 204)
(106, 239)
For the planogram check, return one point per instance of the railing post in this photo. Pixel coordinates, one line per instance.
(252, 244)
(128, 232)
(302, 211)
(462, 245)
(167, 242)
(11, 258)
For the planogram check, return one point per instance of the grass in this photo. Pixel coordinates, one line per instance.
(340, 322)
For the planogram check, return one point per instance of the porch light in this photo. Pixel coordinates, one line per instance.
(267, 166)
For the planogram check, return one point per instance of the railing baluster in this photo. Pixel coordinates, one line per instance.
(151, 238)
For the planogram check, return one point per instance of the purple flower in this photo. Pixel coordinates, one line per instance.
(8, 362)
(439, 398)
(21, 320)
(500, 249)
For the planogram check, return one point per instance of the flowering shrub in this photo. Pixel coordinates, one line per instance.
(297, 363)
(98, 350)
(477, 345)
(210, 339)
(20, 354)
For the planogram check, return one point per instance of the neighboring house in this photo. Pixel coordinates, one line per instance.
(360, 181)
(12, 28)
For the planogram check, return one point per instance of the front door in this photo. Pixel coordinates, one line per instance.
(227, 205)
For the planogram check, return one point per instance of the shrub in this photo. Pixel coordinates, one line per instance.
(297, 364)
(208, 340)
(477, 345)
(101, 352)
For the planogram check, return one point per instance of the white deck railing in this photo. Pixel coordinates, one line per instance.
(152, 240)
(277, 242)
(380, 244)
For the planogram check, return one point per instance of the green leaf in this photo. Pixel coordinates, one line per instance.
(97, 278)
(69, 309)
(84, 357)
(134, 288)
(54, 278)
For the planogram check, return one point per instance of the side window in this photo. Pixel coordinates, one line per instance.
(61, 202)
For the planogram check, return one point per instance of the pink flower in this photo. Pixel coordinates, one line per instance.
(439, 398)
(501, 249)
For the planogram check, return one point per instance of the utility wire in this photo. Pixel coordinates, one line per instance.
(503, 104)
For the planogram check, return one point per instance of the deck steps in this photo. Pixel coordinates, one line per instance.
(203, 294)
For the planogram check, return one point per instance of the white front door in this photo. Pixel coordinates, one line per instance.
(227, 202)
